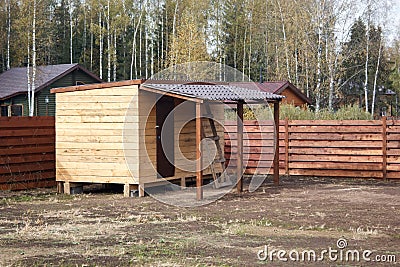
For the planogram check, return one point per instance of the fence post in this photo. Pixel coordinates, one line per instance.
(287, 146)
(384, 147)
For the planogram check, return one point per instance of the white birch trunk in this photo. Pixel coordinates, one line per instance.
(235, 65)
(70, 10)
(174, 57)
(101, 47)
(376, 79)
(318, 71)
(109, 48)
(146, 50)
(134, 56)
(307, 78)
(28, 74)
(367, 57)
(162, 43)
(140, 52)
(244, 53)
(8, 32)
(84, 31)
(250, 39)
(115, 56)
(284, 41)
(91, 43)
(266, 44)
(296, 58)
(32, 106)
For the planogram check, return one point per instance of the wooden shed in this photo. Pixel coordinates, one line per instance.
(113, 132)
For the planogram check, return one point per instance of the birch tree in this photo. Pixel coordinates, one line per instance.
(32, 79)
(8, 6)
(367, 31)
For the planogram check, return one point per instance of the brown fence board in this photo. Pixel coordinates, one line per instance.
(23, 141)
(28, 176)
(27, 152)
(28, 132)
(23, 122)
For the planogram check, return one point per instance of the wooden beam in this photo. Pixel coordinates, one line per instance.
(239, 164)
(95, 86)
(157, 91)
(199, 172)
(276, 156)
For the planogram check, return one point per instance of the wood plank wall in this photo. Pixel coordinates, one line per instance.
(365, 149)
(27, 152)
(97, 135)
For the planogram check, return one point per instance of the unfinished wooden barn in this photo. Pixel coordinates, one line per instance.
(114, 132)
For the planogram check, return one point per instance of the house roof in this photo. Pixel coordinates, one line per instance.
(275, 88)
(14, 81)
(190, 91)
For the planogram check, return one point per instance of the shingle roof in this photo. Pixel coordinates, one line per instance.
(214, 92)
(15, 81)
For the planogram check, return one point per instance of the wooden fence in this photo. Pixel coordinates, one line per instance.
(369, 149)
(27, 152)
(366, 149)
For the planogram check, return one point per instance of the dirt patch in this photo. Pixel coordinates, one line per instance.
(41, 228)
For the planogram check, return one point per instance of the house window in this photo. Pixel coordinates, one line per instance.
(4, 111)
(12, 110)
(16, 110)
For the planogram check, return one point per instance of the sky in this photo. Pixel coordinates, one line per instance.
(394, 21)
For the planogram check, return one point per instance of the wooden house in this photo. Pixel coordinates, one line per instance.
(292, 94)
(14, 84)
(113, 132)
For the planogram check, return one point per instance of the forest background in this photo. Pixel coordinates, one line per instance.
(338, 52)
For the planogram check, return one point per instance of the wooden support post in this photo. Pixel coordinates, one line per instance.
(72, 188)
(67, 188)
(199, 171)
(287, 146)
(141, 190)
(130, 187)
(60, 187)
(276, 157)
(384, 147)
(183, 183)
(239, 164)
(127, 190)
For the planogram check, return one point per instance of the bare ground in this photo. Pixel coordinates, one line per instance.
(41, 228)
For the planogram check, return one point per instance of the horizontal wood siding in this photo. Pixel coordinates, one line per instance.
(97, 135)
(322, 148)
(27, 152)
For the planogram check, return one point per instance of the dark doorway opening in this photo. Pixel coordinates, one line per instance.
(165, 137)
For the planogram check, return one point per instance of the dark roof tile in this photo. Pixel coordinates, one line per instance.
(15, 81)
(214, 92)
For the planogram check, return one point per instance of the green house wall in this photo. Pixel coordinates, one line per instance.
(76, 77)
